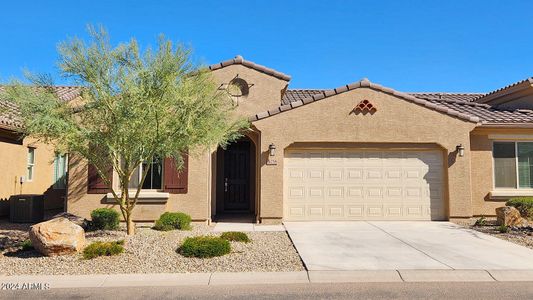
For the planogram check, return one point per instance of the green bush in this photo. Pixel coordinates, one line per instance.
(103, 249)
(481, 221)
(26, 245)
(204, 247)
(502, 229)
(235, 236)
(523, 204)
(105, 219)
(173, 220)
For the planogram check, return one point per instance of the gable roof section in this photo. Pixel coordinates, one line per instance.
(239, 60)
(509, 89)
(365, 83)
(9, 112)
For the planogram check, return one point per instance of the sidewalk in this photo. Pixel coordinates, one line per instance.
(204, 279)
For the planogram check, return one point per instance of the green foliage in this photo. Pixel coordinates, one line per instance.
(135, 106)
(502, 229)
(173, 220)
(204, 247)
(235, 236)
(105, 219)
(26, 245)
(481, 221)
(97, 249)
(523, 204)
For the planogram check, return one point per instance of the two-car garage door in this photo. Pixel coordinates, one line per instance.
(359, 185)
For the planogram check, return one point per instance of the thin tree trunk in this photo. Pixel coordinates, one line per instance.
(130, 224)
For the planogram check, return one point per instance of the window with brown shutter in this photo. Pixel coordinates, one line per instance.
(175, 182)
(95, 184)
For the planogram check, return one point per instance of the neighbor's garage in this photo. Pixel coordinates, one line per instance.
(353, 184)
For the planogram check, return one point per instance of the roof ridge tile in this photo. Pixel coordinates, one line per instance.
(239, 60)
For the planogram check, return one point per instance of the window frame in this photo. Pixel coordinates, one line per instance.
(161, 189)
(517, 173)
(30, 165)
(55, 180)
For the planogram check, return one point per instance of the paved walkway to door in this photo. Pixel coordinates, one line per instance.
(401, 245)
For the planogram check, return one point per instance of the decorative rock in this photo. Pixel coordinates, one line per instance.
(84, 223)
(58, 236)
(510, 216)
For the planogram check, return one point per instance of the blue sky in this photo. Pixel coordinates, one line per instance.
(452, 45)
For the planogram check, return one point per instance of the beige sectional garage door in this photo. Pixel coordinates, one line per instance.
(363, 185)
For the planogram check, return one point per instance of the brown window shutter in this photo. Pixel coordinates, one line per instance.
(95, 184)
(175, 182)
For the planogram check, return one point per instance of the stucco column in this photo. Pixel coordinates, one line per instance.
(459, 182)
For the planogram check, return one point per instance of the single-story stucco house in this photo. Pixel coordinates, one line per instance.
(360, 151)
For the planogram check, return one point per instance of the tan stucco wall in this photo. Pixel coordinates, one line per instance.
(13, 158)
(396, 121)
(482, 169)
(195, 202)
(265, 92)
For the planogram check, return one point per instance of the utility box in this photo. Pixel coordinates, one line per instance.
(26, 208)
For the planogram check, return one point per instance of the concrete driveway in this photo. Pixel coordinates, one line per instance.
(385, 245)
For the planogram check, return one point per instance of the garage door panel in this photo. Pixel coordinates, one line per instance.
(354, 185)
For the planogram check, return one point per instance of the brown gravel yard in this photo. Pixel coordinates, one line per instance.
(150, 251)
(522, 237)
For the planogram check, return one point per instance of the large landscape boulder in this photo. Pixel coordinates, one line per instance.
(510, 216)
(84, 223)
(58, 236)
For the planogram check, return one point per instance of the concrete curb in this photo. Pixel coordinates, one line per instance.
(205, 279)
(354, 276)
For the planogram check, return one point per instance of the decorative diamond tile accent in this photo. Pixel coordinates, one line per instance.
(365, 107)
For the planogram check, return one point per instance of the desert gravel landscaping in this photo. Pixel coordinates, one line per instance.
(522, 236)
(150, 251)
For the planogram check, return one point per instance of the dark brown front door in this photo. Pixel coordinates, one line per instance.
(237, 177)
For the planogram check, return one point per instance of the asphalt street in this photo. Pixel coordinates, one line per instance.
(441, 290)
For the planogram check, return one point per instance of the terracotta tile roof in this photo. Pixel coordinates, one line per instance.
(451, 103)
(447, 96)
(238, 60)
(298, 94)
(488, 114)
(522, 84)
(9, 112)
(365, 83)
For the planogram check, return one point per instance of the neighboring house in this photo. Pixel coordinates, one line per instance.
(27, 166)
(358, 152)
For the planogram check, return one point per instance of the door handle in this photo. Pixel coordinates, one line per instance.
(225, 184)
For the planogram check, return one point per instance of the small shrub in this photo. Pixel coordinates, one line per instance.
(105, 219)
(502, 229)
(481, 221)
(204, 247)
(523, 204)
(26, 245)
(235, 236)
(97, 249)
(173, 220)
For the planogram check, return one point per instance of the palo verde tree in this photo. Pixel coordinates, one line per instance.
(137, 107)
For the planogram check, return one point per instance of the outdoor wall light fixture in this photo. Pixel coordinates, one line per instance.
(272, 149)
(460, 150)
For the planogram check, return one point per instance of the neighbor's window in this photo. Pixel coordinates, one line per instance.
(31, 163)
(154, 176)
(60, 171)
(513, 164)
